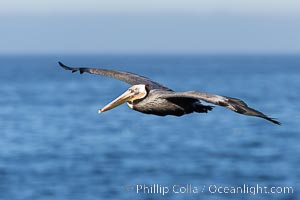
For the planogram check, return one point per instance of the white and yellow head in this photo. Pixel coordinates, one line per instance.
(135, 92)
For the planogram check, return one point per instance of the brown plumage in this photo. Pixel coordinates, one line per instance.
(150, 97)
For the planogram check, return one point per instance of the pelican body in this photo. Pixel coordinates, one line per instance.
(150, 102)
(150, 97)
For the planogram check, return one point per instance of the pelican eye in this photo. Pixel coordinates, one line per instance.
(135, 91)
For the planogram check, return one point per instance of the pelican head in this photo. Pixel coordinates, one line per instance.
(135, 92)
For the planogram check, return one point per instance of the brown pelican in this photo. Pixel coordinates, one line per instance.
(150, 97)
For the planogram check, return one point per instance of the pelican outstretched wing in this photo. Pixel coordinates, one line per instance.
(233, 104)
(130, 78)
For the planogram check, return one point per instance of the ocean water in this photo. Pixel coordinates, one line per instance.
(54, 145)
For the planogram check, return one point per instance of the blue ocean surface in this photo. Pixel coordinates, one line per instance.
(54, 145)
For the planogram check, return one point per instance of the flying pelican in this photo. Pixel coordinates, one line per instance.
(150, 97)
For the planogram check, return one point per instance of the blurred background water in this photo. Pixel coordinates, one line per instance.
(54, 145)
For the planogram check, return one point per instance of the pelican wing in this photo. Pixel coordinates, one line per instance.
(130, 78)
(233, 104)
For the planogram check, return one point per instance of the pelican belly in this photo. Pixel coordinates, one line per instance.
(159, 107)
(154, 104)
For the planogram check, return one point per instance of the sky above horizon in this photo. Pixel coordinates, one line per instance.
(276, 7)
(134, 26)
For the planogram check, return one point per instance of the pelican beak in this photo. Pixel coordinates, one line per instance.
(126, 96)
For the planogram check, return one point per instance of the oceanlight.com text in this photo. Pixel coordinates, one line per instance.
(246, 189)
